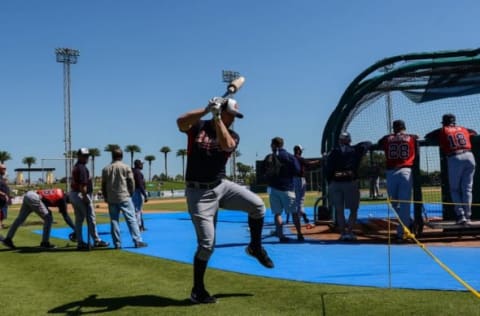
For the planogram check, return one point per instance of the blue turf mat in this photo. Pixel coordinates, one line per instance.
(171, 236)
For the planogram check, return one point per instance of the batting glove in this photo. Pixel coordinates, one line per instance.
(216, 110)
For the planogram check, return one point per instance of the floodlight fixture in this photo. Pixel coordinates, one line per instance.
(229, 75)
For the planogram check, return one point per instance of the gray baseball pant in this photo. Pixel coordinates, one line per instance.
(461, 169)
(203, 205)
(399, 188)
(83, 211)
(32, 203)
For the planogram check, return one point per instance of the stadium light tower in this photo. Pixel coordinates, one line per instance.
(228, 76)
(67, 56)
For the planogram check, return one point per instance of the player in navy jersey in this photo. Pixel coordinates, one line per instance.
(210, 144)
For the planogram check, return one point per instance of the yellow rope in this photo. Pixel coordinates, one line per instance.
(407, 234)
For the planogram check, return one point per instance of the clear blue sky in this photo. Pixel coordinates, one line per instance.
(143, 63)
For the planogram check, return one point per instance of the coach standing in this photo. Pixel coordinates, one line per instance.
(455, 144)
(117, 188)
(343, 187)
(81, 198)
(210, 144)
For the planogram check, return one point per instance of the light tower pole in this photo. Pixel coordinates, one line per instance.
(67, 56)
(228, 76)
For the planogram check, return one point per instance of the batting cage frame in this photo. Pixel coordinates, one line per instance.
(426, 80)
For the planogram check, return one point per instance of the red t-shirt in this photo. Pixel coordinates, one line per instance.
(453, 138)
(400, 150)
(51, 195)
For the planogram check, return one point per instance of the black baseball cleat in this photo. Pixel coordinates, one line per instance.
(47, 245)
(141, 244)
(83, 246)
(202, 297)
(101, 244)
(72, 237)
(261, 255)
(9, 243)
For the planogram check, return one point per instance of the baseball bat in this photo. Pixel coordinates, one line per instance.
(234, 86)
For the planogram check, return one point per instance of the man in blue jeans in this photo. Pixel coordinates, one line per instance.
(80, 196)
(117, 187)
(139, 195)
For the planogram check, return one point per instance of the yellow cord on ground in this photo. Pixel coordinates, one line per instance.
(407, 234)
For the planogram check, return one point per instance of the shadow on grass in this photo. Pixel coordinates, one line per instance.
(95, 305)
(68, 248)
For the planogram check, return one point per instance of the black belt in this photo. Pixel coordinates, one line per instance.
(458, 152)
(202, 185)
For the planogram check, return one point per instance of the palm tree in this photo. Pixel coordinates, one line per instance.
(4, 156)
(182, 153)
(94, 152)
(132, 149)
(111, 147)
(29, 161)
(165, 150)
(150, 158)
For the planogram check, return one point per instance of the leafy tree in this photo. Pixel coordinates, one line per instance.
(165, 150)
(244, 170)
(182, 153)
(111, 147)
(375, 158)
(4, 156)
(29, 161)
(132, 149)
(150, 158)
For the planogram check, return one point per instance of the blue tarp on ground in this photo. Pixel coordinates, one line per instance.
(171, 236)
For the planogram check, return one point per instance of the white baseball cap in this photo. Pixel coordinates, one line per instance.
(83, 151)
(232, 108)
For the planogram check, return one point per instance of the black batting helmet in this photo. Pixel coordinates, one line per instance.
(448, 119)
(398, 125)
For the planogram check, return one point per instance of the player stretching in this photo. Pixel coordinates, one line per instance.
(400, 151)
(455, 144)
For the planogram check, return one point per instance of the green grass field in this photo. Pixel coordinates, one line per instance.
(108, 282)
